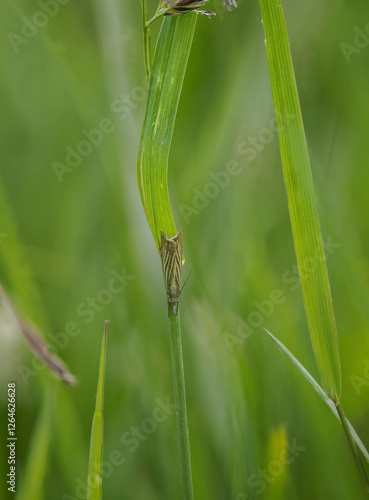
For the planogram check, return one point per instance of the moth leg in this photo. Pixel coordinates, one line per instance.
(174, 305)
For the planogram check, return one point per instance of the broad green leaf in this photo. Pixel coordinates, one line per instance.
(318, 389)
(94, 480)
(31, 487)
(167, 73)
(301, 200)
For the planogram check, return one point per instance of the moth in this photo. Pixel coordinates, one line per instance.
(171, 260)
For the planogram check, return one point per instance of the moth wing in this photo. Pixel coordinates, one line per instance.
(163, 247)
(179, 243)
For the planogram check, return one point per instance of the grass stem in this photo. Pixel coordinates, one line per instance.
(146, 35)
(352, 443)
(159, 13)
(181, 407)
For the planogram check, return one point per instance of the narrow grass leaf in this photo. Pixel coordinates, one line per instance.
(301, 200)
(31, 488)
(167, 73)
(94, 480)
(318, 389)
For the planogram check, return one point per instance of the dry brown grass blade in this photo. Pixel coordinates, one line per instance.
(37, 344)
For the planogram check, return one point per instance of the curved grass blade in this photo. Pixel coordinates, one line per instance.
(166, 79)
(301, 200)
(94, 480)
(31, 487)
(319, 390)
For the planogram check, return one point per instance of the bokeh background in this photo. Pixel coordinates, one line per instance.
(83, 69)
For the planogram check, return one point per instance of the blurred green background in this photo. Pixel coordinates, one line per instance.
(82, 69)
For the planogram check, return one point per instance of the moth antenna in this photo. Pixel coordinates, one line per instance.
(184, 284)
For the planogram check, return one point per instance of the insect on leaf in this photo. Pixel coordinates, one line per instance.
(171, 260)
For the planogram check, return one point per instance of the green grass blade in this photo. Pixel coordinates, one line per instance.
(318, 389)
(31, 487)
(167, 74)
(94, 480)
(166, 79)
(301, 200)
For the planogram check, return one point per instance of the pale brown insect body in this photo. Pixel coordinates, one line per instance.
(171, 260)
